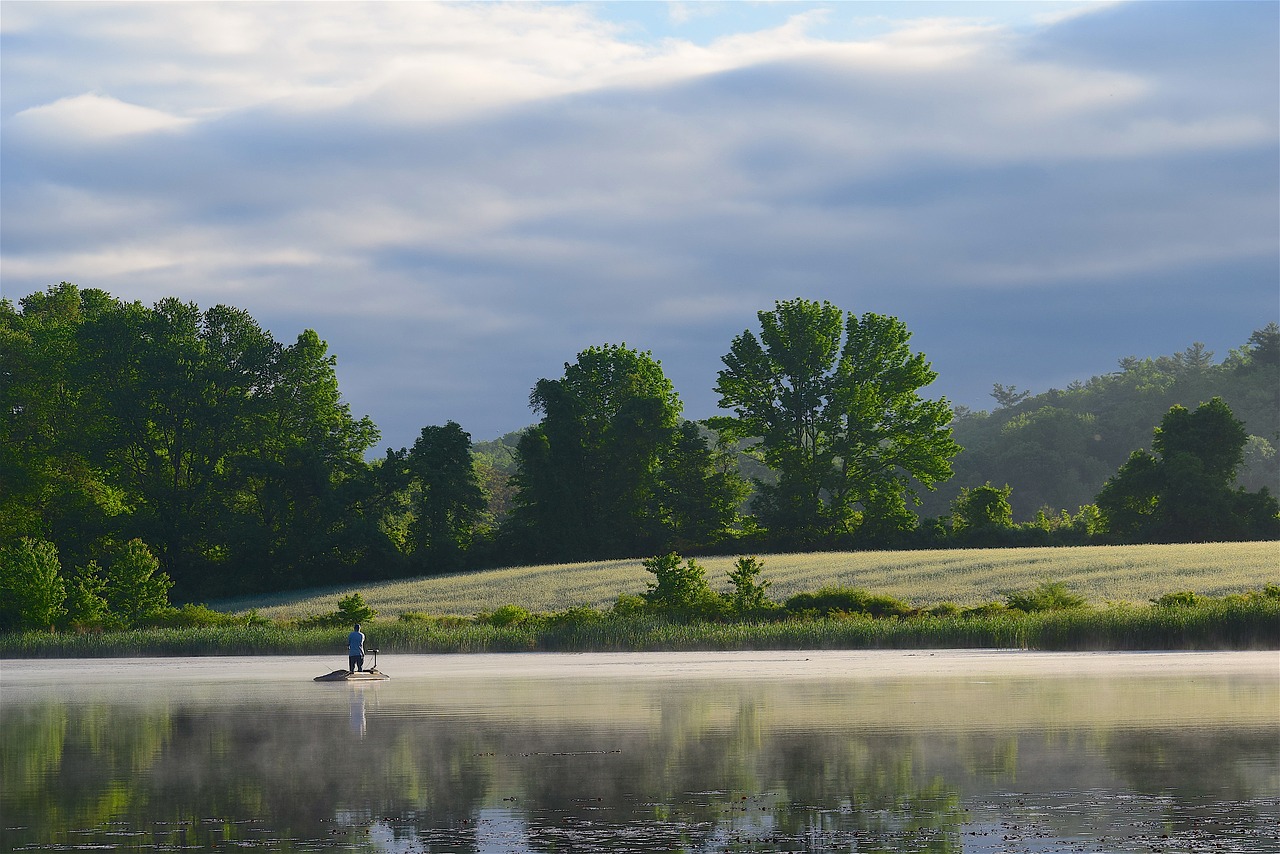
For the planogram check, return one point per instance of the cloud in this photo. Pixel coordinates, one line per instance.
(460, 197)
(93, 117)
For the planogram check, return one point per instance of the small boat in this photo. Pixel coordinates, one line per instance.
(373, 674)
(352, 676)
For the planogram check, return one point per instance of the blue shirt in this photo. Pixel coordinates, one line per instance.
(355, 643)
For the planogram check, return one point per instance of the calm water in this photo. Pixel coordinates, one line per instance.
(769, 752)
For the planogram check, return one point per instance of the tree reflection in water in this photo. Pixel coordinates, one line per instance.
(706, 769)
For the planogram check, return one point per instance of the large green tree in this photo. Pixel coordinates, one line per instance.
(449, 501)
(608, 471)
(833, 404)
(1185, 491)
(32, 590)
(586, 471)
(231, 455)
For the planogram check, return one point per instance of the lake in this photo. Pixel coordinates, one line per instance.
(974, 751)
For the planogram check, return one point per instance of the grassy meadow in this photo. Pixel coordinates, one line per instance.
(968, 577)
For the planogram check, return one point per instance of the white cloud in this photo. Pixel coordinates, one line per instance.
(95, 116)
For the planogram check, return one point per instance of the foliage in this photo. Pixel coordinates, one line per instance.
(832, 601)
(608, 472)
(680, 588)
(192, 615)
(507, 615)
(1180, 599)
(749, 597)
(86, 603)
(1057, 448)
(982, 513)
(352, 609)
(135, 588)
(32, 590)
(834, 401)
(1184, 492)
(1047, 596)
(232, 455)
(449, 501)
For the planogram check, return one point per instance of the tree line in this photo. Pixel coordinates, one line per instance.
(233, 458)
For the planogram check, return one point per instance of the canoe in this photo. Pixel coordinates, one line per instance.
(374, 675)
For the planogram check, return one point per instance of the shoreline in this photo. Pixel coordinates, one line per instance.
(739, 665)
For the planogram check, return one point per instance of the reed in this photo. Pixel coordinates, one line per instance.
(1233, 622)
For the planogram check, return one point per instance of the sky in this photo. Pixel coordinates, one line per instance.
(461, 197)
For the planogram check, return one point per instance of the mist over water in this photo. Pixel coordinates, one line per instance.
(762, 752)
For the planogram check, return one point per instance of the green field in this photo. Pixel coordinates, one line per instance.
(1101, 574)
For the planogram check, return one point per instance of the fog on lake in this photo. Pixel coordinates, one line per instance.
(756, 751)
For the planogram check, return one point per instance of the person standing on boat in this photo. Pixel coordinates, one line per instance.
(355, 650)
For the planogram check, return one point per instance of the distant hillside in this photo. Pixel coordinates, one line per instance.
(1056, 449)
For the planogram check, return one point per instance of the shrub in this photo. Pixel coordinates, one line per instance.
(680, 589)
(579, 615)
(945, 609)
(351, 610)
(829, 600)
(748, 598)
(507, 615)
(627, 605)
(1181, 599)
(1047, 596)
(987, 609)
(199, 615)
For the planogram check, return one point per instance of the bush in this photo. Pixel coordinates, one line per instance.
(628, 605)
(507, 615)
(831, 600)
(680, 590)
(1181, 599)
(748, 598)
(987, 609)
(351, 610)
(1047, 596)
(580, 615)
(199, 615)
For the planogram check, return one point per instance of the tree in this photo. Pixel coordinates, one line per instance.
(32, 591)
(981, 514)
(698, 489)
(679, 589)
(1184, 492)
(135, 587)
(834, 401)
(749, 597)
(1008, 396)
(86, 598)
(450, 501)
(982, 506)
(587, 472)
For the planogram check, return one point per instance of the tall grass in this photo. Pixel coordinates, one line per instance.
(1100, 574)
(1237, 622)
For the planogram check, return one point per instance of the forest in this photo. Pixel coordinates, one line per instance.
(173, 446)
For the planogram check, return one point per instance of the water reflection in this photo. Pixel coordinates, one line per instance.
(529, 765)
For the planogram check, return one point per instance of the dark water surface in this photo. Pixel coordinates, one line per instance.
(768, 752)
